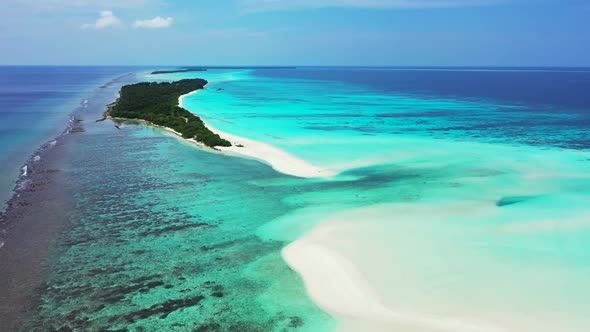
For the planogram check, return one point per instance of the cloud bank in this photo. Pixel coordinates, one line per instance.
(106, 20)
(157, 22)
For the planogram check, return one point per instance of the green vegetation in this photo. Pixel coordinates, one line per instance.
(158, 104)
(180, 70)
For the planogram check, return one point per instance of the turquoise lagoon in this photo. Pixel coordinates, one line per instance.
(457, 206)
(462, 208)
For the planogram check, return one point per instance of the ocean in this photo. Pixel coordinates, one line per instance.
(460, 204)
(35, 104)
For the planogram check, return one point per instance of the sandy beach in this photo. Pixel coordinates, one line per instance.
(278, 159)
(341, 284)
(340, 287)
(381, 268)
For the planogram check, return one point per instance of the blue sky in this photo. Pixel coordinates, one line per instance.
(291, 32)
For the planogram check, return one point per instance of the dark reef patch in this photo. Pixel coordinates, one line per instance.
(120, 292)
(246, 327)
(162, 310)
(174, 228)
(295, 321)
(511, 200)
(416, 114)
(209, 327)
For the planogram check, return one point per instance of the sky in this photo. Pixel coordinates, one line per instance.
(296, 32)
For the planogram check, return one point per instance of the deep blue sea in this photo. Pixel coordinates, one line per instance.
(554, 100)
(556, 86)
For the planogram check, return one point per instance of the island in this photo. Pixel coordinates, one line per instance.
(180, 70)
(157, 103)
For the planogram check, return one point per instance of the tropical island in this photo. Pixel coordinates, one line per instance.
(157, 103)
(180, 70)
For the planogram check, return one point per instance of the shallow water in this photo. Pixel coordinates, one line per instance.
(162, 238)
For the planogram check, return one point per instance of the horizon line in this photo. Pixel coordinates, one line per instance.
(308, 66)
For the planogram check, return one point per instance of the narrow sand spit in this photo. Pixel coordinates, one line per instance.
(278, 159)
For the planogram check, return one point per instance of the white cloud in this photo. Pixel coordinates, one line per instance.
(106, 20)
(277, 5)
(154, 23)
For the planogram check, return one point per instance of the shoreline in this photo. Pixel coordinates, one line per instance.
(342, 289)
(278, 159)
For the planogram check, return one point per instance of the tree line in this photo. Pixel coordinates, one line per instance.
(158, 104)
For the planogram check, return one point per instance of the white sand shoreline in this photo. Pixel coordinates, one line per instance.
(278, 159)
(341, 289)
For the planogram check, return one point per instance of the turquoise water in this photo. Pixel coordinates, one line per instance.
(352, 124)
(162, 238)
(451, 204)
(498, 191)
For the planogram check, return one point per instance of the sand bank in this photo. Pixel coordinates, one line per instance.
(278, 159)
(341, 288)
(434, 266)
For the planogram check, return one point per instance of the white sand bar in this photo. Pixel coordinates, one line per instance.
(400, 267)
(337, 286)
(278, 159)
